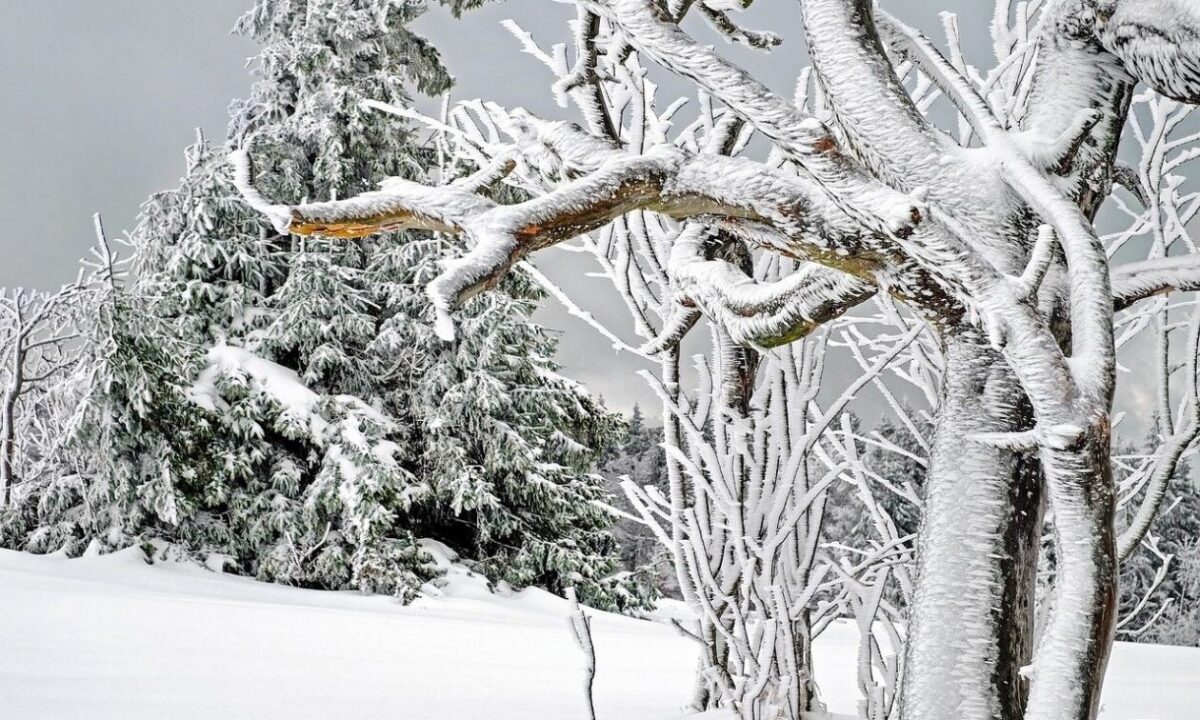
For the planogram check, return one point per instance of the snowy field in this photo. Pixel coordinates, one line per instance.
(114, 638)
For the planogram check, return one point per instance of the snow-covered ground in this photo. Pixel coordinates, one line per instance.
(113, 637)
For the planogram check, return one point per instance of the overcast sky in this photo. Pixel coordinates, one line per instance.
(98, 99)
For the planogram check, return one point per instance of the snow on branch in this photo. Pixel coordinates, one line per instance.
(400, 205)
(880, 120)
(1137, 281)
(1158, 41)
(1093, 352)
(722, 23)
(764, 314)
(803, 138)
(665, 179)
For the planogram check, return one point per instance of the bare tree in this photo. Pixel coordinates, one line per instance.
(46, 343)
(986, 234)
(39, 340)
(756, 649)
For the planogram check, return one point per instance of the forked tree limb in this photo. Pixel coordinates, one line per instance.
(762, 314)
(665, 180)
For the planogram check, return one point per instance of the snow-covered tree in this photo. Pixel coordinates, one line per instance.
(984, 230)
(497, 443)
(1157, 586)
(1176, 619)
(896, 464)
(39, 335)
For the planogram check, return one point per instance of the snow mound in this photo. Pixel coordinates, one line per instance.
(281, 384)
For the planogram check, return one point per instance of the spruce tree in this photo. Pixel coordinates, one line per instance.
(496, 444)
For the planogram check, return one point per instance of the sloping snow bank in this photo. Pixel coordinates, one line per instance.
(114, 638)
(111, 637)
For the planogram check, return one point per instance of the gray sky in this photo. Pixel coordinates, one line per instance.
(98, 99)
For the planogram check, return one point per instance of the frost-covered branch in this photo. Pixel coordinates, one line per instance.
(666, 180)
(1091, 305)
(873, 108)
(1133, 282)
(764, 314)
(1159, 41)
(803, 138)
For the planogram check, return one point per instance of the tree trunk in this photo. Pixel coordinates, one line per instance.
(8, 439)
(806, 685)
(971, 620)
(1078, 637)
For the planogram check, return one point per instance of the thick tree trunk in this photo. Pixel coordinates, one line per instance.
(971, 620)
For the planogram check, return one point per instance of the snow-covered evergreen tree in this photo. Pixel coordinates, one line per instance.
(506, 445)
(123, 456)
(496, 443)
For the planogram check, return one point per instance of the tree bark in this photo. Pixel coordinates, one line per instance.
(1077, 640)
(977, 550)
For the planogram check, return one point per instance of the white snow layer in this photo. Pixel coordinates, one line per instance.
(115, 638)
(281, 384)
